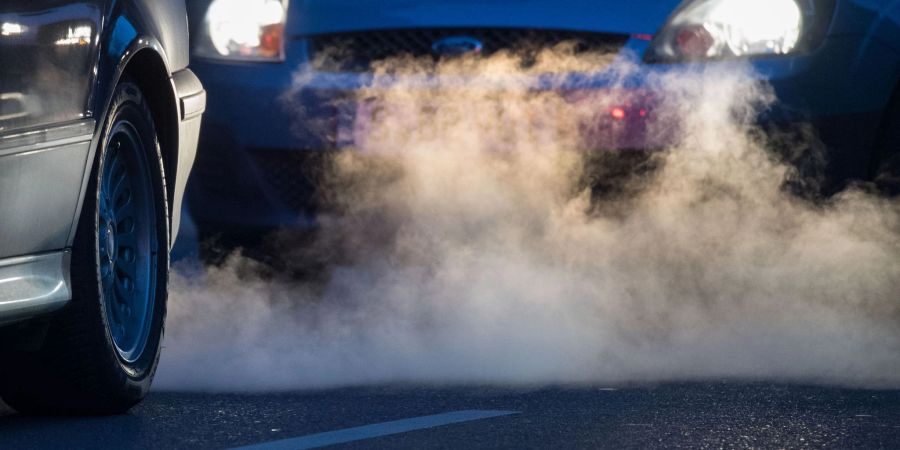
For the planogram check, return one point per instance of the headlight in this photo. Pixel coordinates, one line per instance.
(720, 29)
(244, 30)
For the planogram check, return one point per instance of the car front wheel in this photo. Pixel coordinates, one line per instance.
(101, 351)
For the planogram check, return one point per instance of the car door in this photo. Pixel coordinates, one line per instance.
(48, 59)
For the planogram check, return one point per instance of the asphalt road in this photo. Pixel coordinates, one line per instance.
(707, 415)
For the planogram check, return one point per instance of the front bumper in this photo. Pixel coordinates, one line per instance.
(261, 140)
(191, 103)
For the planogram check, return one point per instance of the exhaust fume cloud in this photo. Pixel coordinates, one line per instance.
(464, 244)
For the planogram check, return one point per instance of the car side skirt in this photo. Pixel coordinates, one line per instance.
(33, 285)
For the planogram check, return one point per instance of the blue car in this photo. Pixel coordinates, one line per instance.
(833, 64)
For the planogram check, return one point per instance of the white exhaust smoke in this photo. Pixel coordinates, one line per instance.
(468, 248)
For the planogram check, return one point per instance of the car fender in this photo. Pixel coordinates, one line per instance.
(136, 30)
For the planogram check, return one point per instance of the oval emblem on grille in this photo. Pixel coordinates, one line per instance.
(456, 45)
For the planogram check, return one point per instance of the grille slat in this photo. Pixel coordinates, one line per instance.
(356, 51)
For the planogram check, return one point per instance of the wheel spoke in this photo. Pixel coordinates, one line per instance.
(119, 182)
(123, 204)
(114, 172)
(125, 277)
(126, 264)
(125, 231)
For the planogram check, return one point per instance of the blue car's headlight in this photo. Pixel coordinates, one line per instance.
(721, 29)
(243, 30)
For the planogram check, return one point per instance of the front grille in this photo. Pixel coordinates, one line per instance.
(355, 52)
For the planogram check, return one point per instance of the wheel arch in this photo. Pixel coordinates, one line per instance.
(148, 69)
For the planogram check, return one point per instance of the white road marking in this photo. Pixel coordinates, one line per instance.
(377, 430)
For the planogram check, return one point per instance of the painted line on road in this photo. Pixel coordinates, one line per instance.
(377, 430)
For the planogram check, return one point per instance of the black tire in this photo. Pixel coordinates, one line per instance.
(79, 368)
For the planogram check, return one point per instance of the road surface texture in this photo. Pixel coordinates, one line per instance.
(695, 415)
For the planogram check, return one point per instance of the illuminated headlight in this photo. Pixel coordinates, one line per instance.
(244, 30)
(720, 29)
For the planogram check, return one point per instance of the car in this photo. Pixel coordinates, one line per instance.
(99, 120)
(833, 64)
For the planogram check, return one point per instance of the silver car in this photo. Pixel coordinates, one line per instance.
(99, 118)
